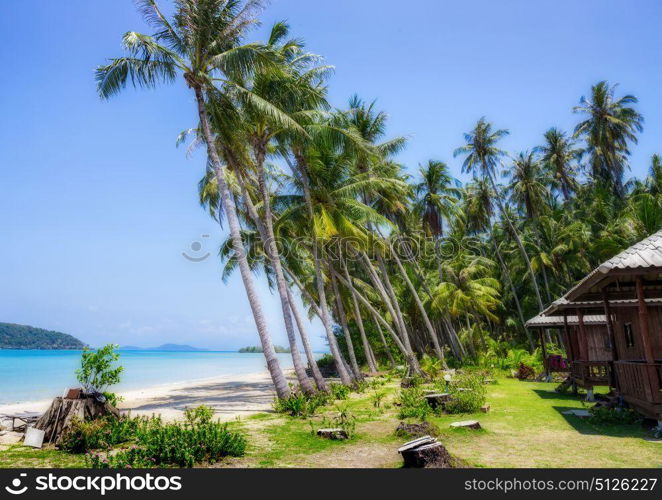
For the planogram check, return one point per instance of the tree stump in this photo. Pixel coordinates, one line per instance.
(334, 434)
(467, 424)
(485, 408)
(416, 430)
(425, 452)
(438, 399)
(63, 412)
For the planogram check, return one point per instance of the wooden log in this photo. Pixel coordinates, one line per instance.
(334, 434)
(466, 424)
(425, 452)
(485, 408)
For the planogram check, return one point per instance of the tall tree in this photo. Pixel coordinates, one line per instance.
(203, 44)
(560, 156)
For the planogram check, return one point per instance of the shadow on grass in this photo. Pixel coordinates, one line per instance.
(562, 396)
(584, 426)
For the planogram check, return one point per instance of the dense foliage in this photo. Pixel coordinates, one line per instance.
(14, 336)
(258, 349)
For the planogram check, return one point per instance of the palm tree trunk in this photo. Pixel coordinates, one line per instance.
(433, 334)
(515, 234)
(359, 321)
(305, 340)
(274, 258)
(387, 349)
(506, 273)
(340, 308)
(407, 353)
(277, 375)
(345, 377)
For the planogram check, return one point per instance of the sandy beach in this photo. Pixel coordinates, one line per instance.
(230, 396)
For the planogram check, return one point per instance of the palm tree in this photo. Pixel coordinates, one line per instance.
(202, 43)
(559, 155)
(612, 124)
(528, 186)
(481, 156)
(437, 194)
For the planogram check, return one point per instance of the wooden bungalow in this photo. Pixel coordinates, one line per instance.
(627, 289)
(588, 348)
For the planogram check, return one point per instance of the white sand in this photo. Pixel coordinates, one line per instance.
(230, 396)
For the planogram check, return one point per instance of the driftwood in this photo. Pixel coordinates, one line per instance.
(467, 424)
(425, 452)
(334, 434)
(63, 412)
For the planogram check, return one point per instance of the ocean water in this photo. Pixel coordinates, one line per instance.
(33, 375)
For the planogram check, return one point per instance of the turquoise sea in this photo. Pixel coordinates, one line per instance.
(33, 375)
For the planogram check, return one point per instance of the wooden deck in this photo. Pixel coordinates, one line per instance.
(588, 374)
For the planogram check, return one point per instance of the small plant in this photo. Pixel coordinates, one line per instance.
(299, 404)
(432, 367)
(345, 420)
(339, 391)
(98, 371)
(361, 386)
(100, 434)
(412, 404)
(377, 399)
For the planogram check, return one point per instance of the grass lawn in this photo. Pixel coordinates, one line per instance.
(525, 428)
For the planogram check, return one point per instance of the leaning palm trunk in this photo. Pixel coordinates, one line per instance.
(506, 273)
(431, 331)
(359, 321)
(345, 377)
(387, 349)
(277, 376)
(518, 240)
(274, 258)
(342, 317)
(407, 353)
(305, 340)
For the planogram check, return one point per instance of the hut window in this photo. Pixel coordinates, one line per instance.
(629, 335)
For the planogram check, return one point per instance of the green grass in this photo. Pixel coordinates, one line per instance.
(525, 428)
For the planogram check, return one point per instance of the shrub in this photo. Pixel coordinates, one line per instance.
(299, 404)
(339, 391)
(432, 367)
(100, 434)
(196, 440)
(97, 370)
(469, 400)
(412, 404)
(377, 398)
(603, 415)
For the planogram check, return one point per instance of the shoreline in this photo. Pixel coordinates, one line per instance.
(229, 395)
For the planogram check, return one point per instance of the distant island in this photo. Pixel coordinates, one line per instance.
(257, 349)
(13, 336)
(163, 347)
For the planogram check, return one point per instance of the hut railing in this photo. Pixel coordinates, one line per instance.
(592, 371)
(640, 380)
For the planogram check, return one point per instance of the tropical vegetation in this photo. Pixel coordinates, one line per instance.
(398, 266)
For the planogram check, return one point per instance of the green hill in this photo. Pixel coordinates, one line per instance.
(28, 337)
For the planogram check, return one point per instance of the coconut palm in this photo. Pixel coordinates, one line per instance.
(611, 126)
(560, 156)
(202, 42)
(481, 157)
(528, 185)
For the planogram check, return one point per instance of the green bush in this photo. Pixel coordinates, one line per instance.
(98, 370)
(619, 416)
(100, 434)
(196, 440)
(339, 391)
(469, 400)
(412, 404)
(299, 404)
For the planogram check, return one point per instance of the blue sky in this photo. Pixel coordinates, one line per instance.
(98, 205)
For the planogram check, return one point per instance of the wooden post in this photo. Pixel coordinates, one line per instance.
(566, 331)
(643, 320)
(583, 337)
(612, 341)
(545, 362)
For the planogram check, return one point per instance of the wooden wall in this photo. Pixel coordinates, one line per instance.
(624, 315)
(598, 346)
